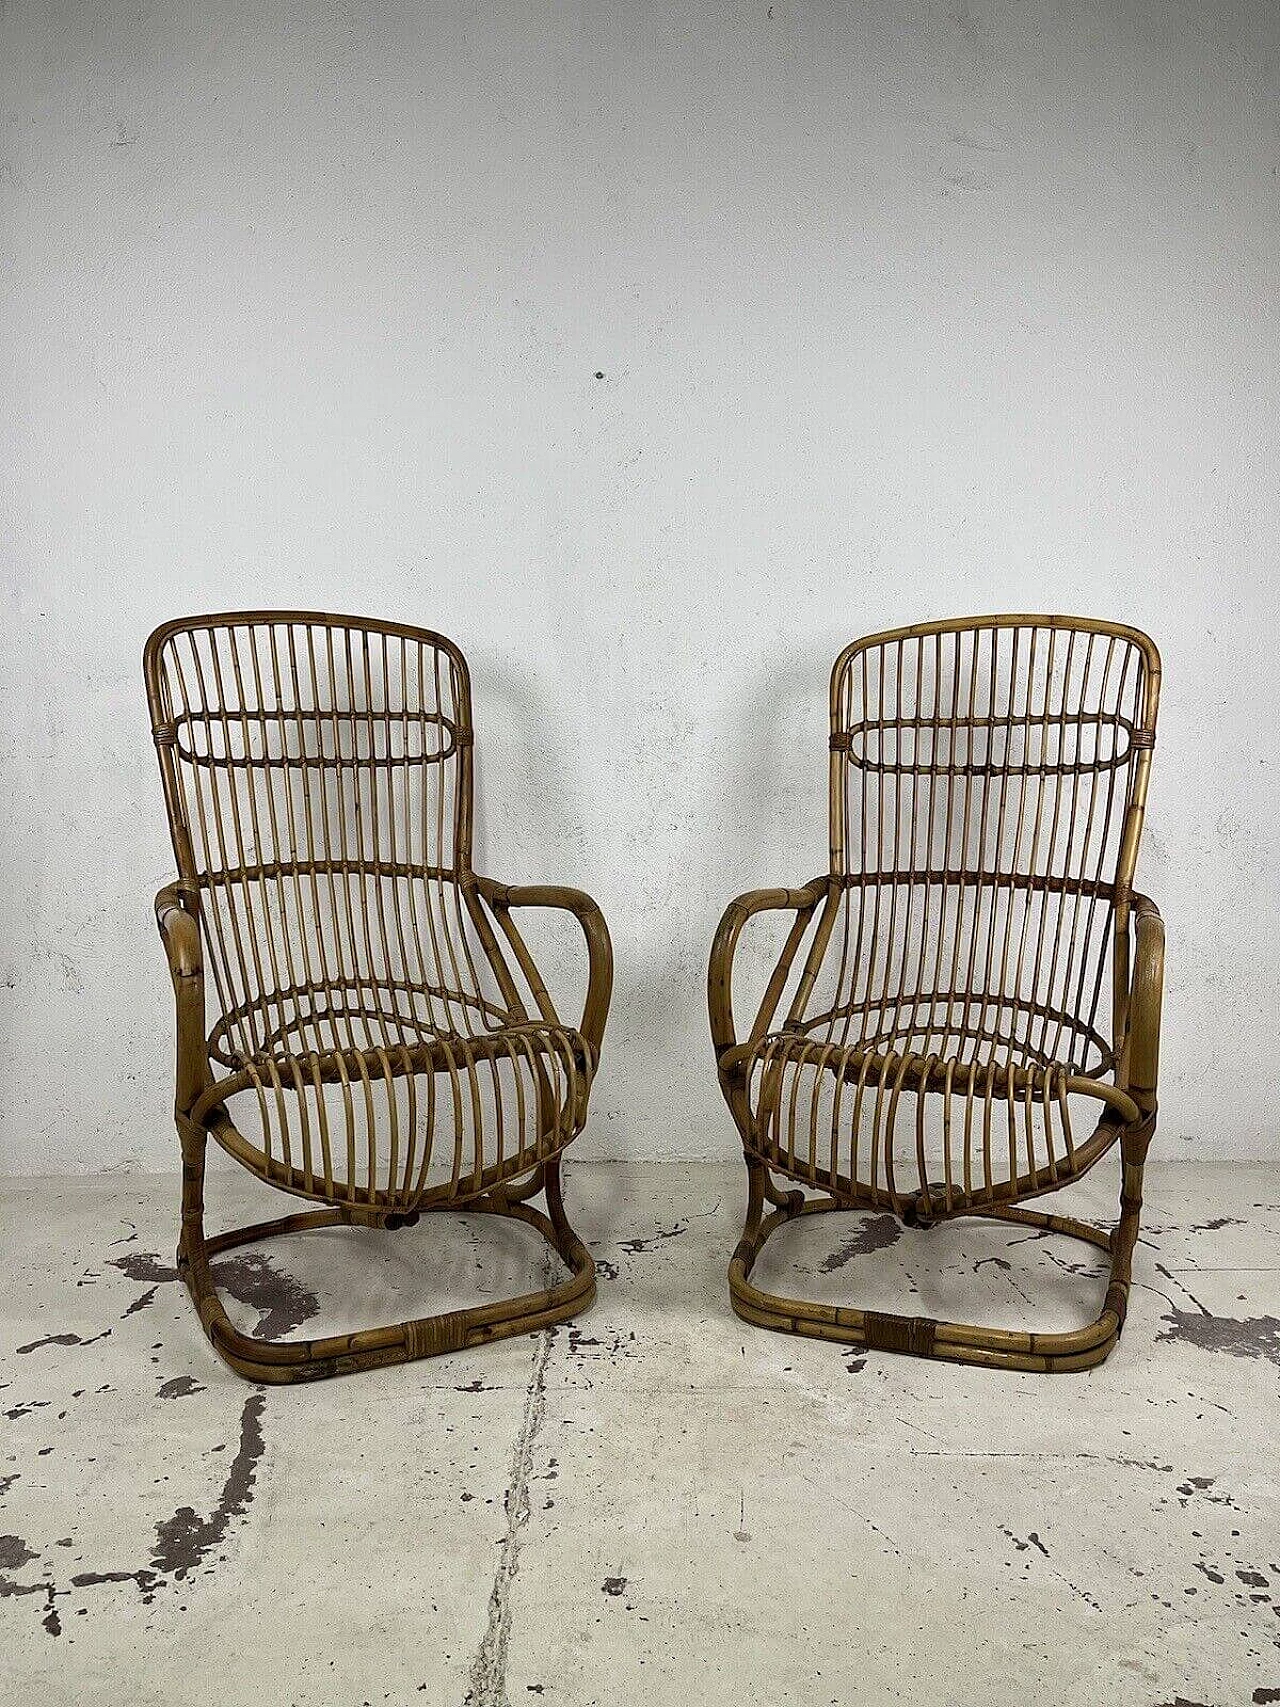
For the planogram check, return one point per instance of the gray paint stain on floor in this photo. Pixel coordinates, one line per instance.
(876, 1233)
(60, 1339)
(180, 1387)
(282, 1302)
(1249, 1336)
(14, 1553)
(185, 1540)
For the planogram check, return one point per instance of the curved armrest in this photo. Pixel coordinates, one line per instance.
(501, 897)
(724, 946)
(1145, 995)
(180, 933)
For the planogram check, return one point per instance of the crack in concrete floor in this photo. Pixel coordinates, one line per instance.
(488, 1683)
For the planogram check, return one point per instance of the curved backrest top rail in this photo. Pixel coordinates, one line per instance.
(292, 619)
(308, 693)
(1006, 620)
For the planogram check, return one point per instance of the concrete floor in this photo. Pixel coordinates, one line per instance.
(656, 1504)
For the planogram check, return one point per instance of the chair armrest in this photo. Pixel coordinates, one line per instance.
(725, 944)
(180, 933)
(502, 897)
(1146, 991)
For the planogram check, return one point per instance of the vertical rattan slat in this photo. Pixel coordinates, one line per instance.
(987, 783)
(349, 1026)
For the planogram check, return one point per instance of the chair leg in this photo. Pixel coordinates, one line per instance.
(922, 1336)
(1133, 1156)
(283, 1361)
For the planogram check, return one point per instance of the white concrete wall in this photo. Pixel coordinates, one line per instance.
(901, 310)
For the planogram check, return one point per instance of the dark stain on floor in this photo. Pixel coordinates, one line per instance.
(1247, 1336)
(614, 1585)
(14, 1553)
(180, 1387)
(876, 1233)
(51, 1621)
(145, 1266)
(146, 1580)
(282, 1302)
(999, 1262)
(1032, 1540)
(634, 1246)
(182, 1542)
(617, 1342)
(61, 1339)
(185, 1540)
(1193, 1487)
(26, 1410)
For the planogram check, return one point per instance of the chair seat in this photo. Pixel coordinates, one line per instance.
(889, 1107)
(364, 1104)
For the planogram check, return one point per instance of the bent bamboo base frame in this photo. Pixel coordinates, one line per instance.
(923, 1336)
(280, 1362)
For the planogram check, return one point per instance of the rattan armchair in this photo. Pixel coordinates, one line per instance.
(979, 984)
(359, 1021)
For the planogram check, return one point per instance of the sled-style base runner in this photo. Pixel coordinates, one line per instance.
(922, 1336)
(280, 1362)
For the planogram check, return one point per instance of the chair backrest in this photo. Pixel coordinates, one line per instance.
(989, 776)
(317, 776)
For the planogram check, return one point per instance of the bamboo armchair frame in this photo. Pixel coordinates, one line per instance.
(379, 1021)
(988, 780)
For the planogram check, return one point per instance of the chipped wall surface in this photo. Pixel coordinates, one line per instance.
(652, 353)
